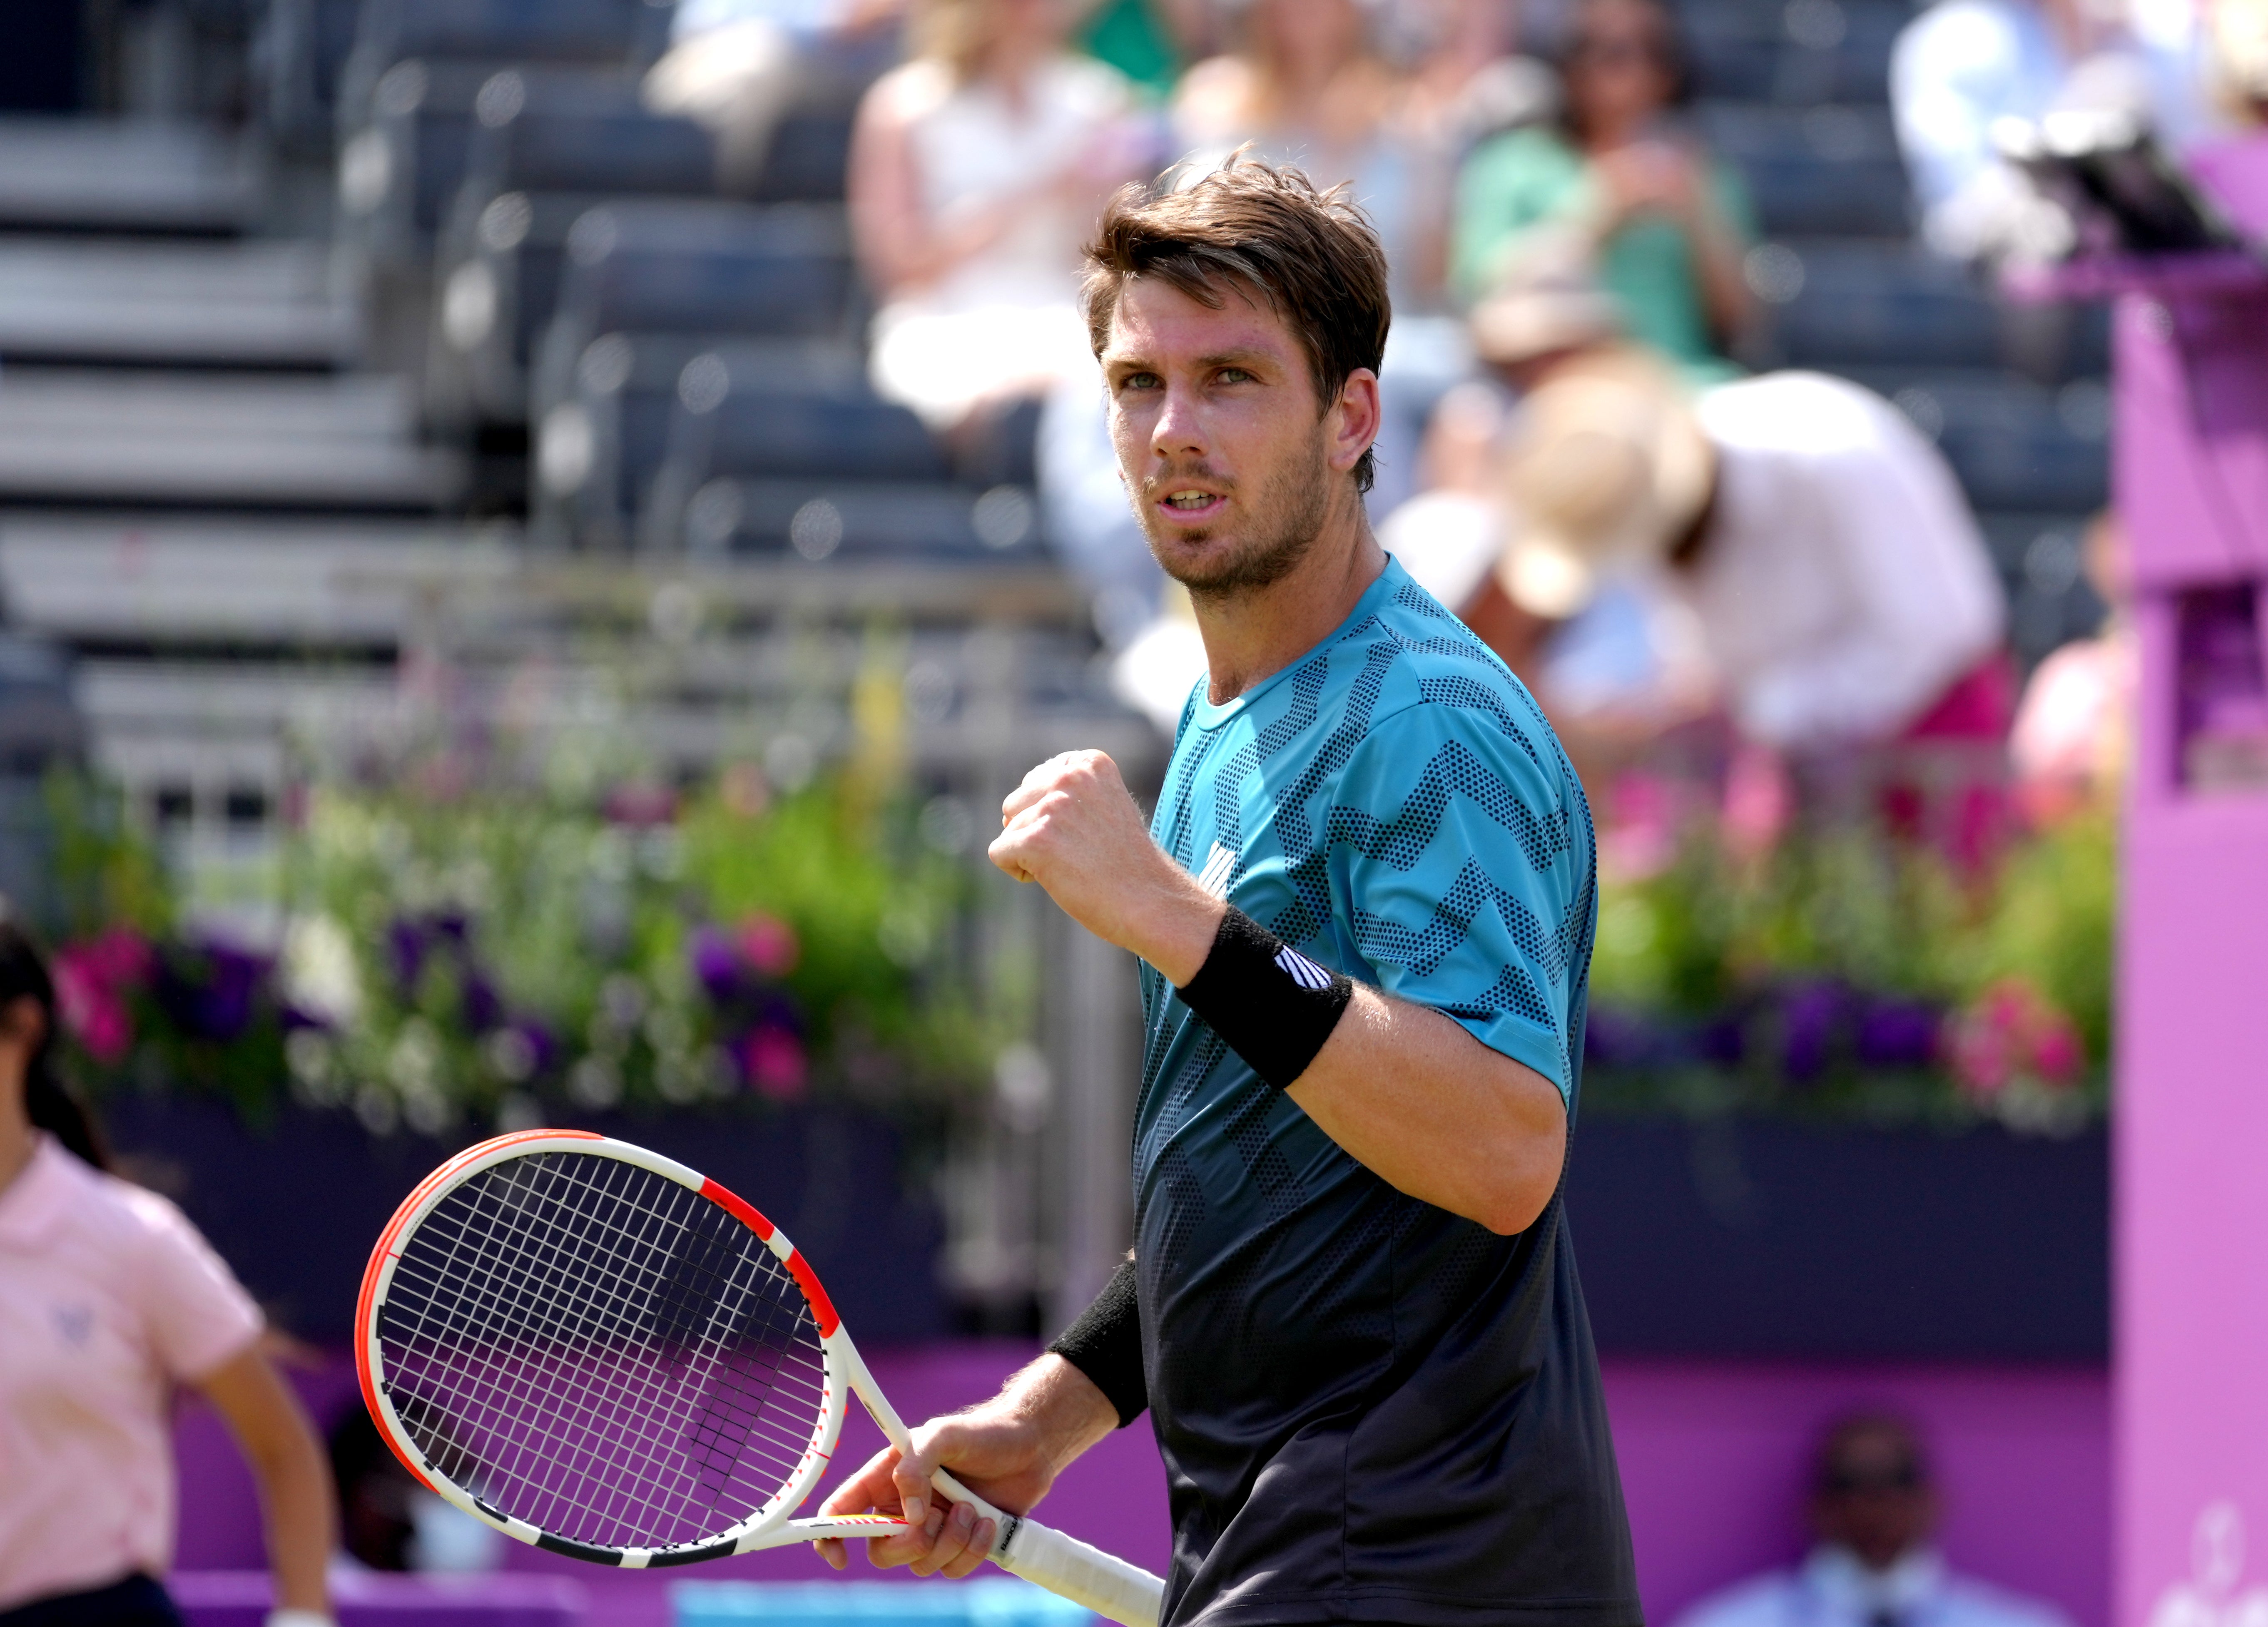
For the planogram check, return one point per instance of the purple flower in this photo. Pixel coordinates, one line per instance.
(714, 962)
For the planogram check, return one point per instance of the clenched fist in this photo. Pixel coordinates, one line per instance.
(1072, 827)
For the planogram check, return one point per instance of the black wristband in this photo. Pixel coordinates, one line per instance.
(1106, 1344)
(1272, 1006)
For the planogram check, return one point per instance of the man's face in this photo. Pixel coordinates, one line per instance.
(1873, 1498)
(1230, 461)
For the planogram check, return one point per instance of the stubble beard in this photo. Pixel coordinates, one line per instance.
(1288, 518)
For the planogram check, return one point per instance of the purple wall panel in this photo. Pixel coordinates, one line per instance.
(1713, 1457)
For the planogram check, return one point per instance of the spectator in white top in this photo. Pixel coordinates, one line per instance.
(977, 171)
(1962, 64)
(738, 66)
(1818, 544)
(108, 1300)
(1873, 1513)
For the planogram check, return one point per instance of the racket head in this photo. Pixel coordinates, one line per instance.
(598, 1350)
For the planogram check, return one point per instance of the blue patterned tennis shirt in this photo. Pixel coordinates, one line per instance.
(1370, 1408)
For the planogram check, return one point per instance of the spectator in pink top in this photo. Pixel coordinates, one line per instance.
(108, 1299)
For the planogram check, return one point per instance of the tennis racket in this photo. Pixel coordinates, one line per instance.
(597, 1351)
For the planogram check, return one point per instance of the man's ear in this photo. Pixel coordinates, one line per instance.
(1354, 419)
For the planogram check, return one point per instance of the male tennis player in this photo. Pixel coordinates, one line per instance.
(1365, 908)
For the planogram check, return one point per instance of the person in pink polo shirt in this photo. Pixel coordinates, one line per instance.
(108, 1299)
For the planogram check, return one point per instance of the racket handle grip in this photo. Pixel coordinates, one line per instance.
(1084, 1574)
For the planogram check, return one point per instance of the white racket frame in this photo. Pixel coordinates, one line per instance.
(1103, 1583)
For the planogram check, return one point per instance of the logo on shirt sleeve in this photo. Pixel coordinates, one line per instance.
(1300, 969)
(1213, 879)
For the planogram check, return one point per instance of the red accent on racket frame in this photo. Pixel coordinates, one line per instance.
(740, 1208)
(378, 1255)
(822, 1308)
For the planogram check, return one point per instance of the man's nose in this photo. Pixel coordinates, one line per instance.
(1178, 432)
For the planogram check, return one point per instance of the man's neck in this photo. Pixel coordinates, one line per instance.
(1253, 635)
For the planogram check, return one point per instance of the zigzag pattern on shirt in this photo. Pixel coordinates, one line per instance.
(1452, 923)
(1455, 771)
(1308, 685)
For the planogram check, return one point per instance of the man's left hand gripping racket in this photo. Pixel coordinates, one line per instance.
(595, 1350)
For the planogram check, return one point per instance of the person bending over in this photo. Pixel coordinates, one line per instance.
(1365, 908)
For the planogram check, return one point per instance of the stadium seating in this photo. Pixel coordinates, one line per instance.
(1845, 304)
(401, 169)
(717, 270)
(1831, 170)
(599, 444)
(1799, 53)
(501, 33)
(754, 466)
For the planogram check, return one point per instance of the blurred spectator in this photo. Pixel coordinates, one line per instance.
(1873, 1512)
(2240, 60)
(1307, 86)
(736, 66)
(1468, 80)
(1816, 542)
(1665, 225)
(108, 1299)
(1147, 41)
(976, 172)
(1963, 64)
(2074, 732)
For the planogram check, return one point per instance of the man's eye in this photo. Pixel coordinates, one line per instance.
(1234, 375)
(1138, 382)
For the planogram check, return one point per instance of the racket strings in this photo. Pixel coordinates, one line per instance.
(612, 1477)
(600, 1351)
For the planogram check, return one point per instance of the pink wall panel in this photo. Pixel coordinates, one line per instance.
(1713, 1457)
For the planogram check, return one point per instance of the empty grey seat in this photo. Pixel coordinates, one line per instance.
(2016, 445)
(719, 270)
(498, 32)
(819, 520)
(1842, 306)
(1800, 52)
(1825, 171)
(591, 149)
(598, 447)
(401, 168)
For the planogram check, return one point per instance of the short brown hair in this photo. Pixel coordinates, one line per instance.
(1313, 256)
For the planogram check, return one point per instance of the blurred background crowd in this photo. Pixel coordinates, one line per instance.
(533, 534)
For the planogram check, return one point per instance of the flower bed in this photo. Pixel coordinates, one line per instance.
(1842, 974)
(502, 955)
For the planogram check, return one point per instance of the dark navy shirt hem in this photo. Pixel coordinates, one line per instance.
(1387, 1607)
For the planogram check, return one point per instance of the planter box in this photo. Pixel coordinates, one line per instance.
(296, 1205)
(1756, 1237)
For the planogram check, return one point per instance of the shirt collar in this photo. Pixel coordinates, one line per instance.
(1838, 1577)
(1390, 581)
(40, 1197)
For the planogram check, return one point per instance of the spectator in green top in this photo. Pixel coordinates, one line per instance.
(1150, 41)
(1665, 225)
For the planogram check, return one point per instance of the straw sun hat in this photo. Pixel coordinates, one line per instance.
(1606, 467)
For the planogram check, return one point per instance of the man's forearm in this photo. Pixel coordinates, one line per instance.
(1066, 1410)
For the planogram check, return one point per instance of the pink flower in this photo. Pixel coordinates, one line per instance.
(2012, 1031)
(775, 1064)
(90, 983)
(1758, 802)
(767, 945)
(2058, 1055)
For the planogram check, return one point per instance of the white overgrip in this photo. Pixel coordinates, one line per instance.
(1083, 1574)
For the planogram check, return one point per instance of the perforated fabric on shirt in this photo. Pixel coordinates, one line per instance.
(1370, 1408)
